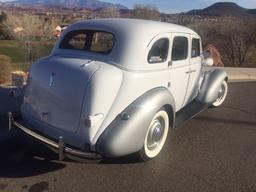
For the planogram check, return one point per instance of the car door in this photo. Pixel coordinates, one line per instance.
(194, 68)
(179, 67)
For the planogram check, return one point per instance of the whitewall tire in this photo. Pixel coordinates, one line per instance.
(222, 94)
(156, 136)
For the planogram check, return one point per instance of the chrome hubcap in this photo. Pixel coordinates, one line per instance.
(155, 134)
(221, 92)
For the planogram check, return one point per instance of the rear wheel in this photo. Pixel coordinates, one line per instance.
(221, 94)
(156, 136)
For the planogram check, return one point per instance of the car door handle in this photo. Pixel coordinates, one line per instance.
(169, 63)
(190, 71)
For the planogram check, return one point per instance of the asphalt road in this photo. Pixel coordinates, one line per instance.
(10, 100)
(216, 151)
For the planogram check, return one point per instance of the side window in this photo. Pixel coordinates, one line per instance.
(77, 42)
(180, 48)
(195, 48)
(102, 42)
(159, 51)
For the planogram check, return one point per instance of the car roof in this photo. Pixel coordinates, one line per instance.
(132, 40)
(142, 28)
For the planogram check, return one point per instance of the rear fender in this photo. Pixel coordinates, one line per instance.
(126, 134)
(211, 84)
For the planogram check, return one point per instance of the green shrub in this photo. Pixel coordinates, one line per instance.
(5, 69)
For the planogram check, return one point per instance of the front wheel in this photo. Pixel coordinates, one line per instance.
(156, 136)
(221, 94)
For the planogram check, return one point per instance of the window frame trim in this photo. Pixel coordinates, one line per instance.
(188, 46)
(159, 62)
(198, 47)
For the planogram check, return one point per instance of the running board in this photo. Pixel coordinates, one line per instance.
(188, 112)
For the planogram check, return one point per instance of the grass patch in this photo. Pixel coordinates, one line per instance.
(14, 53)
(11, 49)
(8, 43)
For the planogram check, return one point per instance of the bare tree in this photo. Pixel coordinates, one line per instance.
(3, 18)
(146, 12)
(110, 12)
(5, 69)
(235, 39)
(240, 40)
(31, 32)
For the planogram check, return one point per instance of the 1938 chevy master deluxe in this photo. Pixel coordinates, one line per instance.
(114, 87)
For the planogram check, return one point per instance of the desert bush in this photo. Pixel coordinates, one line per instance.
(3, 34)
(5, 69)
(235, 39)
(31, 33)
(147, 12)
(109, 12)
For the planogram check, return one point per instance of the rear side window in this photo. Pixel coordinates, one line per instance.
(195, 52)
(180, 48)
(159, 51)
(102, 42)
(77, 41)
(88, 40)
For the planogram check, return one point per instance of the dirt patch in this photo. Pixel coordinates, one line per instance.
(39, 187)
(2, 186)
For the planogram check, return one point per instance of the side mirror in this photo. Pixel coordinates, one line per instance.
(208, 62)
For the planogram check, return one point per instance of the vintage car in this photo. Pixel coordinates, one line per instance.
(115, 87)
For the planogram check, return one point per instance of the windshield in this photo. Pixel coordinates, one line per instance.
(88, 40)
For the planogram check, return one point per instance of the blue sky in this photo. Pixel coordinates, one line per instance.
(172, 6)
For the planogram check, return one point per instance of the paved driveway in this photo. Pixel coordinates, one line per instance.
(8, 103)
(216, 151)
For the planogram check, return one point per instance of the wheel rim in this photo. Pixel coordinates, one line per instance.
(222, 93)
(155, 134)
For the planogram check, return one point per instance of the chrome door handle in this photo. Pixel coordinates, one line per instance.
(169, 63)
(190, 71)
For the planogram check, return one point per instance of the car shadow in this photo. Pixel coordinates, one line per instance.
(129, 159)
(21, 158)
(226, 121)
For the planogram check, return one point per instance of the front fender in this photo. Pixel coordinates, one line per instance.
(126, 134)
(211, 84)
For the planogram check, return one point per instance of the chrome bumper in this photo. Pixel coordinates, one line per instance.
(59, 147)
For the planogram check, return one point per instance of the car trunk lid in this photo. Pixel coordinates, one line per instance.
(56, 91)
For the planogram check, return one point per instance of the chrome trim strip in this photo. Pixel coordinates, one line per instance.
(37, 136)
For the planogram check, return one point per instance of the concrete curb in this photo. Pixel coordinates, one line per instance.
(240, 74)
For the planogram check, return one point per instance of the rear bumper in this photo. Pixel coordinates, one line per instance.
(62, 150)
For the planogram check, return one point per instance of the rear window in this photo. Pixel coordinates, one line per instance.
(88, 40)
